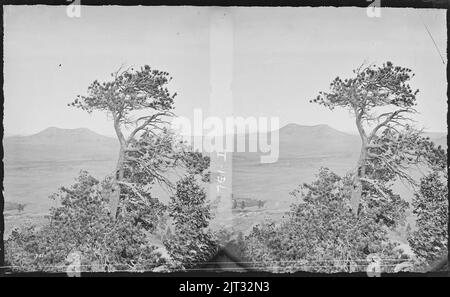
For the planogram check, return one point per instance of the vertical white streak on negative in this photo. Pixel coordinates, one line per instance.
(221, 106)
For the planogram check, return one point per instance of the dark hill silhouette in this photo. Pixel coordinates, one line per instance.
(299, 142)
(56, 144)
(304, 141)
(60, 135)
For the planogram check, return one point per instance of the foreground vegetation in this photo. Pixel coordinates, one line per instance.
(338, 223)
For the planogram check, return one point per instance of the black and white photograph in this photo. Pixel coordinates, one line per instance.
(206, 139)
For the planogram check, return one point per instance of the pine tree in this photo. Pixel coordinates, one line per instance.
(191, 242)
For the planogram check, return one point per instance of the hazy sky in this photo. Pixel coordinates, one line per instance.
(281, 58)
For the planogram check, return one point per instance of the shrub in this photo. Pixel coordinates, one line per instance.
(82, 224)
(430, 240)
(321, 234)
(191, 242)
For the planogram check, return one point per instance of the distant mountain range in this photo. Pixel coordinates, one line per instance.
(56, 144)
(302, 141)
(296, 140)
(62, 136)
(37, 165)
(299, 142)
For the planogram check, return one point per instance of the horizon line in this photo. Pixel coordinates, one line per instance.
(353, 132)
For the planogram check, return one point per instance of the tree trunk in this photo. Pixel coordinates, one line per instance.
(357, 186)
(115, 193)
(360, 171)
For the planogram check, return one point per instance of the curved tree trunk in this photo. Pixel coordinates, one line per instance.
(361, 169)
(115, 193)
(357, 186)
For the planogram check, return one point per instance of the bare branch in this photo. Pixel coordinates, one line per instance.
(393, 115)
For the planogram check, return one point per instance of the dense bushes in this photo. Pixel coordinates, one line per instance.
(430, 204)
(82, 224)
(321, 234)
